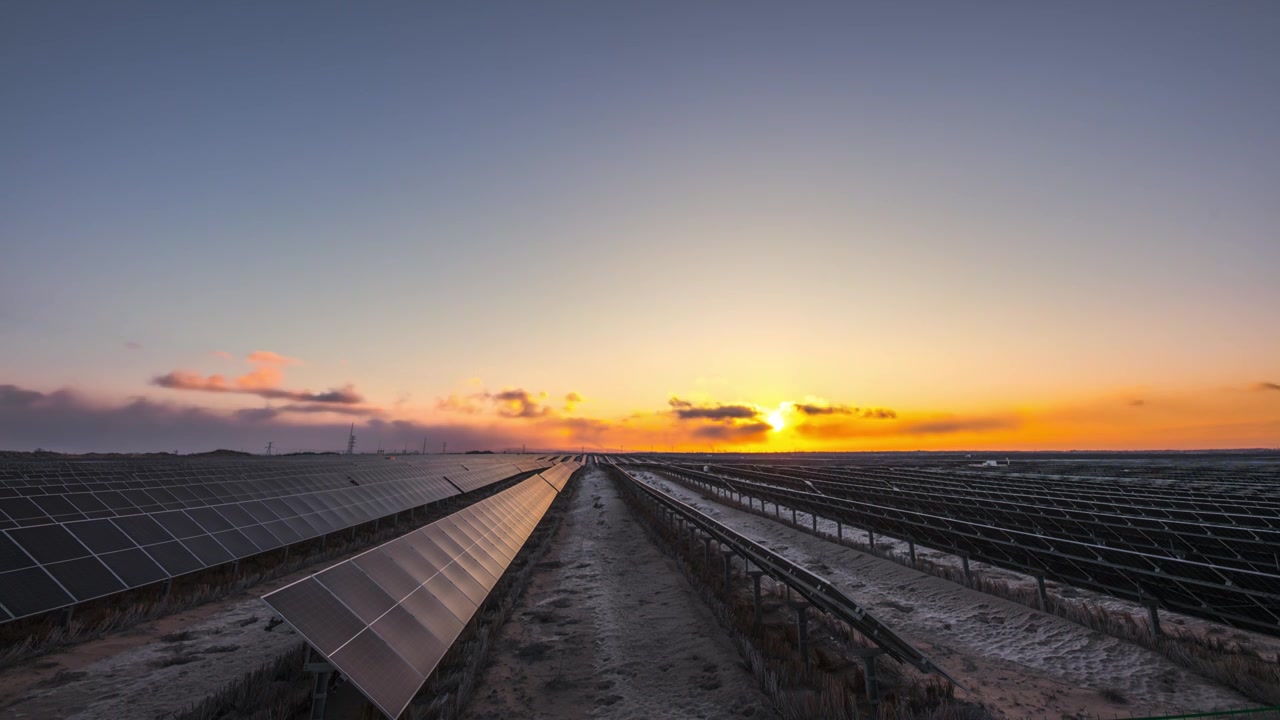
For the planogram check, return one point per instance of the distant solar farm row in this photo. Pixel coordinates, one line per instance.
(74, 531)
(1211, 552)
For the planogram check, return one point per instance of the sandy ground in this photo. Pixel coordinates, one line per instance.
(137, 673)
(1016, 660)
(609, 628)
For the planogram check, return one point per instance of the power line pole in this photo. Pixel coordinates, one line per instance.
(269, 444)
(424, 446)
(351, 440)
(444, 448)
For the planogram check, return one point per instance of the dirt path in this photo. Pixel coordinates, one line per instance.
(609, 628)
(1015, 659)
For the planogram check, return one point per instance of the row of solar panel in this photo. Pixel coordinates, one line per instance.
(385, 618)
(49, 566)
(253, 473)
(43, 509)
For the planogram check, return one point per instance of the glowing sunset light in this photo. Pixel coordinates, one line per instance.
(776, 420)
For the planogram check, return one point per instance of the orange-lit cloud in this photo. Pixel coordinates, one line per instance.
(266, 357)
(1264, 386)
(264, 380)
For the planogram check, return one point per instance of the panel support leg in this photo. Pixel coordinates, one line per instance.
(1153, 614)
(968, 578)
(64, 617)
(1041, 595)
(728, 567)
(871, 541)
(911, 550)
(802, 630)
(793, 517)
(320, 691)
(839, 531)
(755, 580)
(814, 517)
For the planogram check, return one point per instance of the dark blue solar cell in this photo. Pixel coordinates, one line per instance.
(85, 578)
(208, 550)
(48, 543)
(100, 536)
(30, 591)
(135, 567)
(142, 529)
(175, 559)
(11, 556)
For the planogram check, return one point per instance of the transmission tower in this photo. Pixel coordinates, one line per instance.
(269, 444)
(351, 440)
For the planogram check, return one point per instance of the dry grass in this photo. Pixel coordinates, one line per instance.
(278, 690)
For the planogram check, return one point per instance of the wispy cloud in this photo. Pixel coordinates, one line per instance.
(254, 383)
(1264, 386)
(686, 410)
(826, 409)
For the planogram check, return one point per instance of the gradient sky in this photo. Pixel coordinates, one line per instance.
(1010, 225)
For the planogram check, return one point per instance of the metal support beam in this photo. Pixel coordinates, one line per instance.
(728, 566)
(167, 588)
(814, 517)
(706, 541)
(1153, 614)
(839, 531)
(1041, 595)
(968, 578)
(793, 517)
(755, 579)
(64, 617)
(911, 549)
(320, 690)
(802, 629)
(871, 541)
(870, 678)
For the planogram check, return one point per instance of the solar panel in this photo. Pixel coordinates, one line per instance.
(386, 617)
(1208, 553)
(147, 521)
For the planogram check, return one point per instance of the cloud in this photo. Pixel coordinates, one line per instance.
(67, 421)
(734, 432)
(571, 401)
(517, 403)
(459, 404)
(266, 357)
(1264, 386)
(133, 345)
(1137, 403)
(270, 413)
(826, 409)
(686, 410)
(945, 425)
(254, 383)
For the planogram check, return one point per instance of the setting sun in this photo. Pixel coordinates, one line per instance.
(775, 420)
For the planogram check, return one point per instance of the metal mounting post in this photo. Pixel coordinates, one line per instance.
(793, 517)
(706, 541)
(320, 691)
(776, 511)
(871, 541)
(911, 549)
(167, 588)
(968, 578)
(814, 517)
(728, 566)
(755, 579)
(1153, 614)
(870, 679)
(64, 617)
(235, 567)
(802, 629)
(839, 531)
(1041, 595)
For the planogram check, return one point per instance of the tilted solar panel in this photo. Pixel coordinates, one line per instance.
(142, 524)
(386, 617)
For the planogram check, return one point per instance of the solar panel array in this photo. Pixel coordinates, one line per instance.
(386, 617)
(76, 531)
(1210, 554)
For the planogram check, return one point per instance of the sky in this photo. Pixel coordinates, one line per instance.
(696, 226)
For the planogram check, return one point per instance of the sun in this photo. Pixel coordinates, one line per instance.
(775, 420)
